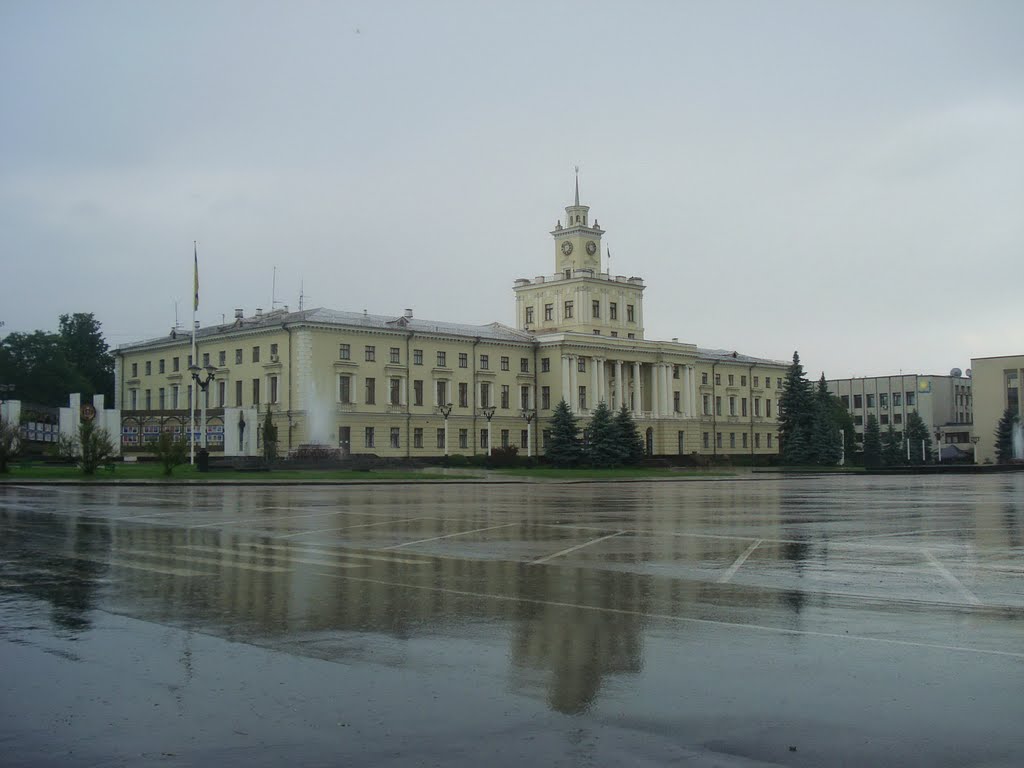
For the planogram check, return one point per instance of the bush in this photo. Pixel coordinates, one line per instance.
(94, 447)
(10, 443)
(170, 452)
(507, 456)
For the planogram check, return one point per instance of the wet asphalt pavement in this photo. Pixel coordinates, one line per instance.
(823, 621)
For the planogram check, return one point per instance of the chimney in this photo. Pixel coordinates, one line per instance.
(239, 313)
(408, 313)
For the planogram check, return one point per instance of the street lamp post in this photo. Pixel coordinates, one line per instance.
(5, 395)
(529, 416)
(938, 443)
(488, 411)
(445, 410)
(203, 382)
(975, 440)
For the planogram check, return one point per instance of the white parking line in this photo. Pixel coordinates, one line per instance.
(349, 527)
(540, 560)
(727, 576)
(968, 595)
(449, 536)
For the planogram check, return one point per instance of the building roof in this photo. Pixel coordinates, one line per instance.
(731, 356)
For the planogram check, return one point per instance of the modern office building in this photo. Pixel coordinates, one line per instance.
(395, 385)
(997, 386)
(945, 403)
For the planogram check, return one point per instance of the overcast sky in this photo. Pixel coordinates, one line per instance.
(845, 179)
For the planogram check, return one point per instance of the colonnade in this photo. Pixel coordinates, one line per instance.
(621, 381)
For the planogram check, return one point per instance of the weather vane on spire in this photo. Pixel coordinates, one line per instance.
(577, 184)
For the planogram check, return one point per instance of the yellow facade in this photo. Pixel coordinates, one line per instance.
(374, 384)
(997, 386)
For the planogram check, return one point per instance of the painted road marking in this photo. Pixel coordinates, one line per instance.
(138, 566)
(323, 552)
(348, 527)
(968, 595)
(448, 536)
(727, 576)
(540, 560)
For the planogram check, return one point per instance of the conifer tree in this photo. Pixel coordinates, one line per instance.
(892, 449)
(1004, 436)
(564, 448)
(796, 415)
(632, 444)
(916, 433)
(605, 447)
(825, 441)
(872, 444)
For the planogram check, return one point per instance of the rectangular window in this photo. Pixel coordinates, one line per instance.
(858, 420)
(135, 399)
(160, 366)
(174, 397)
(273, 351)
(883, 399)
(871, 399)
(238, 393)
(396, 437)
(441, 391)
(731, 379)
(344, 389)
(524, 365)
(504, 395)
(768, 408)
(255, 391)
(238, 357)
(583, 398)
(707, 404)
(395, 355)
(549, 311)
(371, 392)
(675, 402)
(504, 363)
(703, 378)
(718, 439)
(368, 437)
(255, 354)
(706, 440)
(845, 399)
(858, 401)
(417, 357)
(370, 353)
(524, 397)
(463, 360)
(743, 407)
(581, 364)
(768, 437)
(744, 439)
(910, 398)
(897, 418)
(417, 437)
(545, 364)
(718, 379)
(483, 439)
(529, 314)
(757, 406)
(732, 405)
(206, 361)
(175, 364)
(160, 399)
(757, 439)
(897, 399)
(743, 381)
(524, 439)
(149, 365)
(442, 359)
(718, 405)
(440, 438)
(568, 310)
(545, 398)
(675, 371)
(732, 439)
(463, 438)
(395, 393)
(149, 400)
(417, 392)
(484, 362)
(757, 381)
(463, 395)
(630, 314)
(485, 394)
(344, 352)
(135, 370)
(595, 309)
(273, 389)
(884, 419)
(222, 359)
(222, 393)
(504, 438)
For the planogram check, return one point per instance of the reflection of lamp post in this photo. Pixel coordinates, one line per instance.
(938, 442)
(445, 410)
(203, 384)
(975, 439)
(529, 416)
(488, 411)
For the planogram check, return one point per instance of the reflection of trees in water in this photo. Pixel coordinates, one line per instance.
(57, 560)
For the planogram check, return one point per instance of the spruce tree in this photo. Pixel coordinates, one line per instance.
(1004, 436)
(564, 448)
(916, 433)
(825, 440)
(892, 449)
(632, 444)
(872, 444)
(605, 447)
(796, 416)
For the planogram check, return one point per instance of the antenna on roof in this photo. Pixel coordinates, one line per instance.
(273, 292)
(302, 294)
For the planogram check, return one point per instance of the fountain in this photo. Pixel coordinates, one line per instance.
(319, 419)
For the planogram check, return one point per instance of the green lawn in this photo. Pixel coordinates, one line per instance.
(612, 474)
(152, 471)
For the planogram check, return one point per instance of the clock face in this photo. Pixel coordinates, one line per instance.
(566, 248)
(591, 247)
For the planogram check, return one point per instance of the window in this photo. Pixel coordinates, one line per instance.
(613, 311)
(545, 398)
(238, 357)
(884, 418)
(529, 314)
(743, 407)
(135, 399)
(545, 364)
(206, 361)
(524, 439)
(371, 392)
(504, 395)
(344, 352)
(370, 353)
(160, 366)
(871, 399)
(732, 405)
(417, 437)
(581, 364)
(395, 393)
(485, 394)
(441, 391)
(255, 354)
(255, 391)
(768, 408)
(396, 437)
(417, 357)
(524, 365)
(463, 395)
(395, 355)
(883, 399)
(568, 310)
(768, 438)
(222, 393)
(845, 399)
(675, 371)
(149, 400)
(757, 406)
(858, 420)
(897, 399)
(485, 362)
(706, 439)
(238, 393)
(524, 397)
(442, 359)
(707, 404)
(718, 405)
(273, 350)
(440, 437)
(368, 437)
(732, 439)
(344, 389)
(630, 314)
(549, 311)
(160, 398)
(718, 379)
(175, 364)
(897, 418)
(731, 379)
(504, 363)
(743, 381)
(757, 381)
(718, 439)
(417, 392)
(595, 309)
(583, 398)
(463, 360)
(703, 378)
(222, 360)
(910, 398)
(744, 439)
(135, 370)
(630, 335)
(174, 397)
(463, 438)
(504, 438)
(149, 365)
(757, 439)
(675, 402)
(483, 439)
(858, 401)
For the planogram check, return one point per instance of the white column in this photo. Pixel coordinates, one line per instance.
(693, 391)
(565, 380)
(403, 390)
(354, 388)
(669, 399)
(656, 385)
(684, 390)
(637, 401)
(529, 438)
(618, 386)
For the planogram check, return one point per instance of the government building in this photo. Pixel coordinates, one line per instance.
(398, 386)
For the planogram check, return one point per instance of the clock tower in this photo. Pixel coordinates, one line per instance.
(577, 244)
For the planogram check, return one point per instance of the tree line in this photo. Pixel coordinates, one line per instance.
(612, 439)
(814, 426)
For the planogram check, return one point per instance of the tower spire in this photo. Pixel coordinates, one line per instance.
(577, 185)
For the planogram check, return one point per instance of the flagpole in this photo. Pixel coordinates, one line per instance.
(192, 400)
